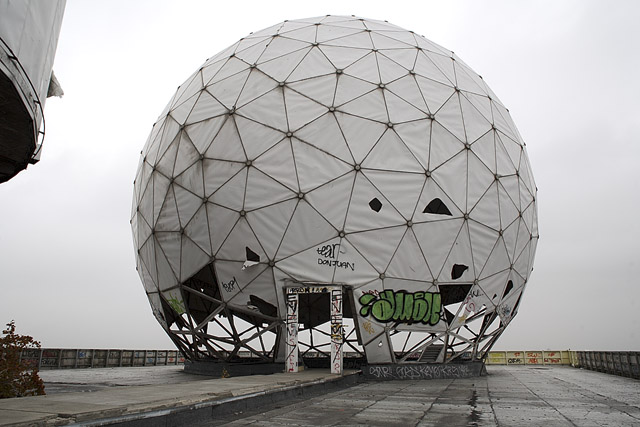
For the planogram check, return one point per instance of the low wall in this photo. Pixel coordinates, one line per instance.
(423, 371)
(58, 358)
(532, 357)
(623, 363)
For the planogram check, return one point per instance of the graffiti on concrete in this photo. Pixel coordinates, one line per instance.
(337, 331)
(402, 306)
(336, 301)
(49, 362)
(552, 358)
(417, 372)
(534, 358)
(292, 333)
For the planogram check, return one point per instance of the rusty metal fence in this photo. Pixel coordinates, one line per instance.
(57, 358)
(623, 363)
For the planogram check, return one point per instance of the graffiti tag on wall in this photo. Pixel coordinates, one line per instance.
(337, 331)
(231, 285)
(307, 290)
(176, 304)
(417, 372)
(402, 306)
(292, 333)
(328, 256)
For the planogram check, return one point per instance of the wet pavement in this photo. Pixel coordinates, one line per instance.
(508, 396)
(166, 396)
(87, 380)
(157, 396)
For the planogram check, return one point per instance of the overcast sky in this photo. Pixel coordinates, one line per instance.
(567, 70)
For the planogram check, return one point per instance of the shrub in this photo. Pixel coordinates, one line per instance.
(17, 378)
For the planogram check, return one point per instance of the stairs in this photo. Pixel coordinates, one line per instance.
(431, 354)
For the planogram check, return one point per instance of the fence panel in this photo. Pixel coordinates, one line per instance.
(546, 357)
(497, 358)
(515, 357)
(622, 363)
(552, 357)
(57, 358)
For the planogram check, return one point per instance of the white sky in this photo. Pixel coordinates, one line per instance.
(567, 70)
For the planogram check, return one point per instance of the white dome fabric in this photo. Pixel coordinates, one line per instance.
(336, 150)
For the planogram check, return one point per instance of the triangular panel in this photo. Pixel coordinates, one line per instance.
(408, 262)
(332, 199)
(270, 223)
(316, 167)
(436, 239)
(262, 190)
(306, 228)
(390, 153)
(361, 216)
(361, 134)
(379, 245)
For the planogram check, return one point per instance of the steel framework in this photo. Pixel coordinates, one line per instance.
(338, 152)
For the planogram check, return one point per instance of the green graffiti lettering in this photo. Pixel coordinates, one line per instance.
(176, 305)
(420, 306)
(402, 306)
(429, 300)
(364, 301)
(436, 308)
(383, 308)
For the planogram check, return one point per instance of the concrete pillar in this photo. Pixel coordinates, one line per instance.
(337, 336)
(291, 363)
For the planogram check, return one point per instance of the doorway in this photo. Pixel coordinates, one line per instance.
(313, 313)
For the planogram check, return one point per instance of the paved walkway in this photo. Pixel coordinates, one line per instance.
(155, 396)
(508, 396)
(71, 380)
(163, 396)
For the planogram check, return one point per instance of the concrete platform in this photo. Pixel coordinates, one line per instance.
(156, 396)
(164, 396)
(507, 396)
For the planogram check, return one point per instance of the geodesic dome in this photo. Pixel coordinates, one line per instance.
(335, 151)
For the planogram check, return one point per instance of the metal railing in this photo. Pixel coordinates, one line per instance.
(57, 358)
(623, 363)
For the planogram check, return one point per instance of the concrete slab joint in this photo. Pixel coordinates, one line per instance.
(506, 396)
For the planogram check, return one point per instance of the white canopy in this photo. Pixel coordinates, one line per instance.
(338, 150)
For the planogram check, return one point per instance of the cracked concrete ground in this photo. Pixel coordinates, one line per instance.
(166, 396)
(507, 396)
